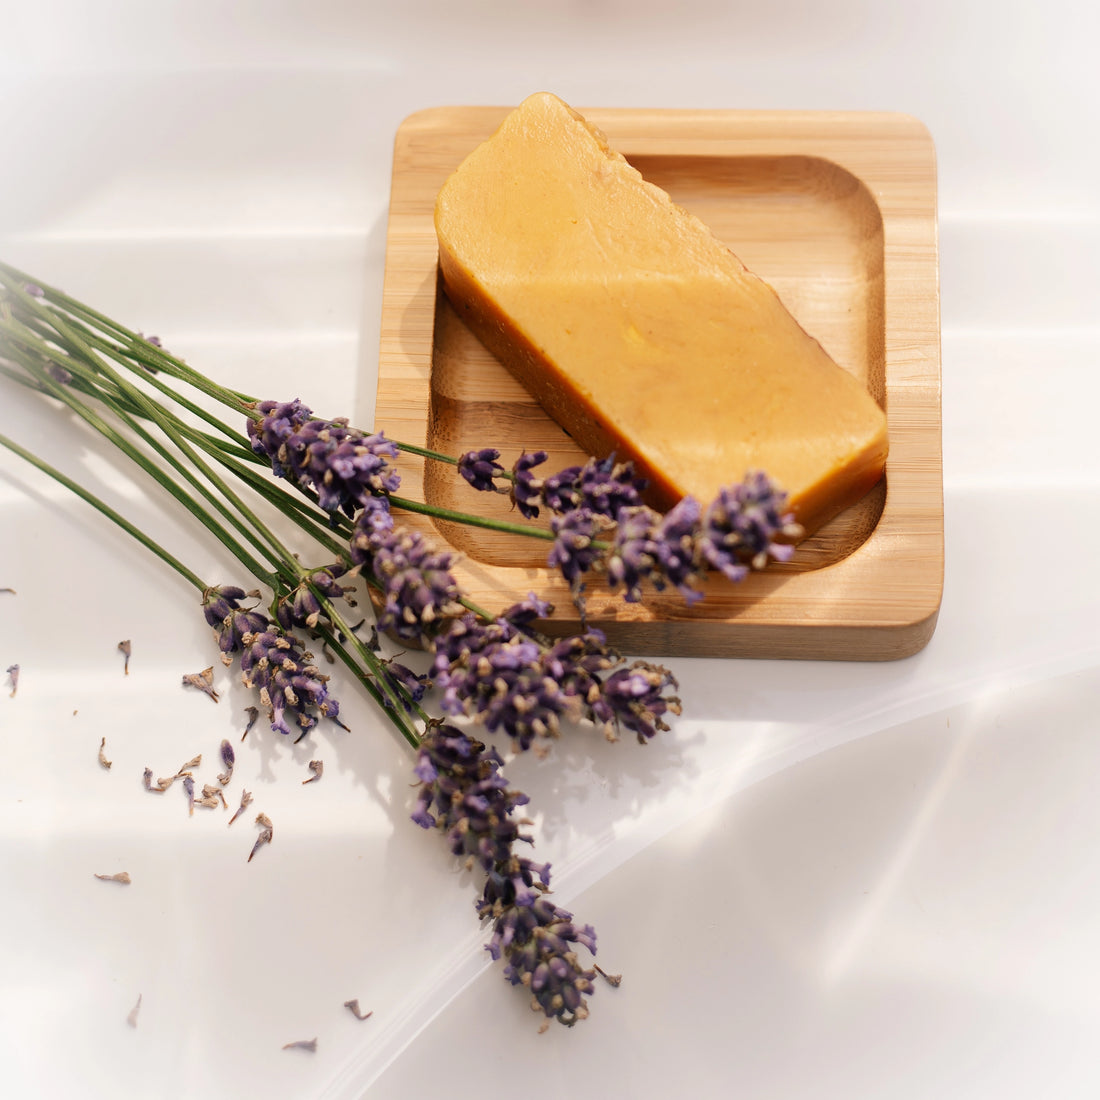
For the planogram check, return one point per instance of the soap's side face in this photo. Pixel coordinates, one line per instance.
(637, 330)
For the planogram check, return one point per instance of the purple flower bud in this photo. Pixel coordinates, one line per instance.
(740, 527)
(573, 552)
(635, 699)
(526, 488)
(607, 487)
(343, 465)
(480, 469)
(561, 491)
(420, 593)
(464, 794)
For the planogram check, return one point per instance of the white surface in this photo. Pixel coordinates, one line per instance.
(828, 880)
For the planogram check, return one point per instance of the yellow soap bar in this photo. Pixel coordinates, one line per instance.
(637, 330)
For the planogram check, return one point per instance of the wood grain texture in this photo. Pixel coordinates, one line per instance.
(837, 210)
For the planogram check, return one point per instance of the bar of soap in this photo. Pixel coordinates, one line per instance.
(637, 330)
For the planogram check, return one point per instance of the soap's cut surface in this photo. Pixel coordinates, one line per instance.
(637, 330)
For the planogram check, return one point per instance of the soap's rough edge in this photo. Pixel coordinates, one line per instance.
(571, 408)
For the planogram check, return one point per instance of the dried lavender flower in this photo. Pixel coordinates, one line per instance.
(9, 590)
(491, 672)
(121, 876)
(147, 779)
(407, 685)
(573, 552)
(229, 758)
(418, 588)
(343, 465)
(211, 796)
(132, 1018)
(13, 675)
(353, 1006)
(126, 651)
(463, 794)
(741, 525)
(481, 469)
(103, 761)
(267, 832)
(302, 608)
(203, 681)
(246, 800)
(302, 1044)
(288, 681)
(636, 698)
(536, 939)
(526, 489)
(317, 767)
(253, 713)
(189, 790)
(221, 606)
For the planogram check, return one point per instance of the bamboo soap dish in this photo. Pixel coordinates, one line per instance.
(837, 211)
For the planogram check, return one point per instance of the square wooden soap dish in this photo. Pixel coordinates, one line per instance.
(837, 210)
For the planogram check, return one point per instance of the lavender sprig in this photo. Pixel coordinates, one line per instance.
(464, 795)
(514, 684)
(343, 465)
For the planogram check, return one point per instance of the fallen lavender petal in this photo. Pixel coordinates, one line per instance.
(203, 681)
(267, 833)
(229, 758)
(246, 800)
(302, 1044)
(353, 1006)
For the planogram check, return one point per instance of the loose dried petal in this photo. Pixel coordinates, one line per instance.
(103, 761)
(246, 800)
(229, 758)
(194, 762)
(125, 649)
(13, 674)
(353, 1005)
(203, 681)
(318, 769)
(121, 876)
(614, 980)
(211, 796)
(267, 831)
(133, 1017)
(302, 1044)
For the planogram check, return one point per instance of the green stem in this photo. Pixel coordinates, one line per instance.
(148, 353)
(164, 420)
(371, 660)
(106, 510)
(471, 520)
(65, 394)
